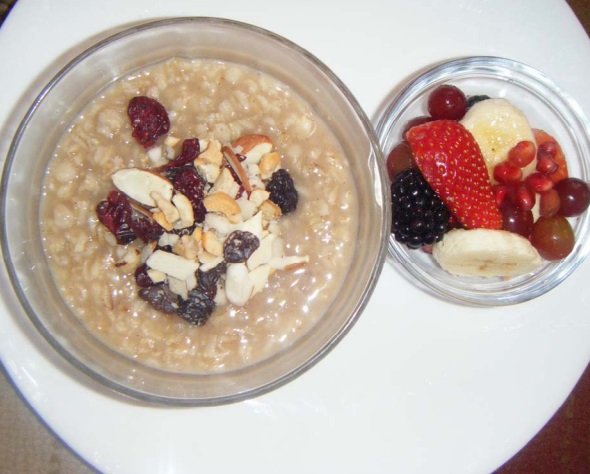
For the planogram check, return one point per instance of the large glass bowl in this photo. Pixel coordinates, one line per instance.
(60, 103)
(547, 107)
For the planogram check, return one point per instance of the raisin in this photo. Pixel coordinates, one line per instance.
(188, 182)
(239, 245)
(190, 150)
(207, 281)
(115, 214)
(282, 191)
(149, 120)
(160, 297)
(142, 277)
(197, 308)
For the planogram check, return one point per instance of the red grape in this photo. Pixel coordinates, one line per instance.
(399, 159)
(574, 195)
(517, 220)
(553, 237)
(447, 102)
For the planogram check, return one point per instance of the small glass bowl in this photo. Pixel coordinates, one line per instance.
(62, 100)
(547, 107)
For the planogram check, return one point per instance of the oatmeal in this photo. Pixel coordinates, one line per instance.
(213, 103)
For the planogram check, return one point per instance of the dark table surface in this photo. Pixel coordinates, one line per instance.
(562, 446)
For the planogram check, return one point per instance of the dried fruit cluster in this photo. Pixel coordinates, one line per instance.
(208, 218)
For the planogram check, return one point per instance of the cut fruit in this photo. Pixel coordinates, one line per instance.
(485, 253)
(498, 126)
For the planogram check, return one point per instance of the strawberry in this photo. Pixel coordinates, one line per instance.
(450, 160)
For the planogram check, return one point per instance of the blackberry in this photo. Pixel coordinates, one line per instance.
(419, 217)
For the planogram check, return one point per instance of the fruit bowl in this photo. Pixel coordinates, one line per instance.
(219, 81)
(547, 107)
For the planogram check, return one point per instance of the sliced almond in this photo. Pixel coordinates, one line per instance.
(254, 225)
(197, 234)
(220, 297)
(263, 254)
(270, 211)
(171, 141)
(212, 154)
(139, 184)
(212, 244)
(258, 196)
(171, 264)
(247, 207)
(156, 156)
(161, 219)
(165, 205)
(253, 147)
(222, 203)
(168, 239)
(147, 250)
(269, 164)
(238, 287)
(185, 210)
(290, 263)
(186, 247)
(209, 261)
(178, 287)
(191, 282)
(259, 277)
(220, 223)
(208, 171)
(225, 183)
(234, 162)
(156, 275)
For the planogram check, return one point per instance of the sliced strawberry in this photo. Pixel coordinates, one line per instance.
(450, 160)
(542, 137)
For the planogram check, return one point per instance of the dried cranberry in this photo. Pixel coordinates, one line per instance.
(188, 182)
(145, 228)
(190, 150)
(160, 297)
(115, 213)
(282, 191)
(207, 281)
(197, 308)
(239, 245)
(149, 120)
(142, 277)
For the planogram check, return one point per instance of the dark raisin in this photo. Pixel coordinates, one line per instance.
(145, 228)
(188, 182)
(149, 120)
(282, 191)
(207, 281)
(142, 277)
(239, 245)
(197, 308)
(115, 213)
(160, 297)
(190, 150)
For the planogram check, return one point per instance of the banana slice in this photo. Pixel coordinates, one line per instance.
(497, 126)
(485, 253)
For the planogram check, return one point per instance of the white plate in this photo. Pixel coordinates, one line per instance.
(419, 385)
